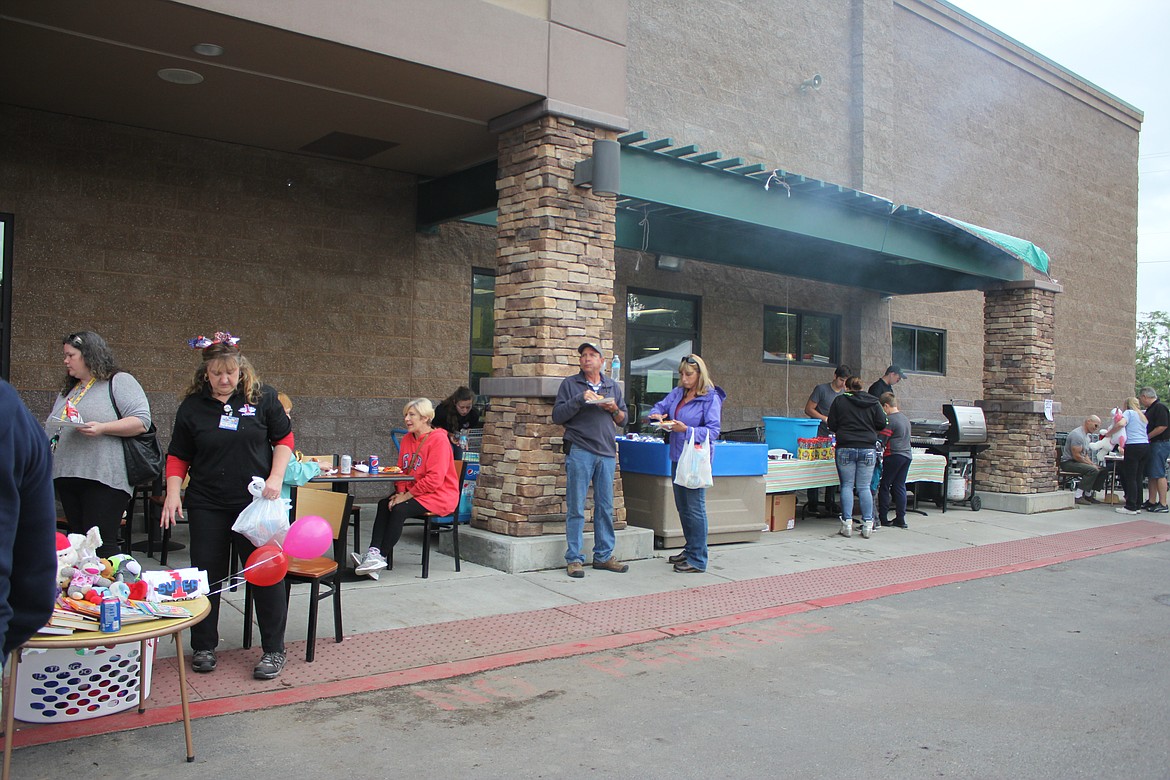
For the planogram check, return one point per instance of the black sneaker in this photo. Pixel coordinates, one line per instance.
(269, 667)
(1160, 509)
(1149, 506)
(203, 661)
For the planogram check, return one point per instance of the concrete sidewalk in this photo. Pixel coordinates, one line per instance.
(404, 629)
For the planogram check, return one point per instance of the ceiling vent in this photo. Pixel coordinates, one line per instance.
(347, 147)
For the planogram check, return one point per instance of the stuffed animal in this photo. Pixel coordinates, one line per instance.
(124, 568)
(84, 577)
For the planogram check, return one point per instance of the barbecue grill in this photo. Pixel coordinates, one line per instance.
(963, 434)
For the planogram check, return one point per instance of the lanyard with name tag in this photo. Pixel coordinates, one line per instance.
(227, 421)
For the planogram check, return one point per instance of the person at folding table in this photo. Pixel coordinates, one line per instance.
(590, 405)
(817, 407)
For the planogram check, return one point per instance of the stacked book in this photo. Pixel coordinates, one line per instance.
(71, 615)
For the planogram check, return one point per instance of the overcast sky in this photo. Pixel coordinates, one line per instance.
(1123, 47)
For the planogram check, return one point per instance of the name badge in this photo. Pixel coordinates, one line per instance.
(229, 423)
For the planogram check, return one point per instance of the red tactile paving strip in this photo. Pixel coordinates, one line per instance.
(400, 656)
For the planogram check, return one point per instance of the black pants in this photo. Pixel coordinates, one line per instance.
(211, 549)
(88, 503)
(1133, 470)
(893, 485)
(389, 521)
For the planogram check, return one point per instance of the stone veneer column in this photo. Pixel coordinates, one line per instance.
(554, 289)
(1019, 361)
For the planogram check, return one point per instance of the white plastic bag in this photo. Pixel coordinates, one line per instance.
(694, 464)
(265, 520)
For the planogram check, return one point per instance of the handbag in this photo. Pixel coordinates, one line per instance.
(143, 453)
(694, 465)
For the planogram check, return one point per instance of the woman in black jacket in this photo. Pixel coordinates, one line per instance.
(856, 418)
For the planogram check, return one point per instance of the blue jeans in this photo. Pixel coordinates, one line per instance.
(692, 514)
(855, 467)
(582, 467)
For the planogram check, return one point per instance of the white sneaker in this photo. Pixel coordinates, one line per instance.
(373, 575)
(846, 528)
(866, 529)
(371, 561)
(1123, 511)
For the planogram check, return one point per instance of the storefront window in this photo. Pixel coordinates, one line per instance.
(801, 336)
(660, 330)
(920, 349)
(483, 302)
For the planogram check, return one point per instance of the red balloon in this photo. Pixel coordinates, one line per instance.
(266, 566)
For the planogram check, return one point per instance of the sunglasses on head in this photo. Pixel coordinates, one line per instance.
(74, 339)
(690, 359)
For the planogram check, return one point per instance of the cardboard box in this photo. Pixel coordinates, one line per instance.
(781, 511)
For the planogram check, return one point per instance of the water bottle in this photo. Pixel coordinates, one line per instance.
(616, 368)
(462, 441)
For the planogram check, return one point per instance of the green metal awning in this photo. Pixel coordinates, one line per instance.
(677, 200)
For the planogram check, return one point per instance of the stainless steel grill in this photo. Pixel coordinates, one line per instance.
(967, 424)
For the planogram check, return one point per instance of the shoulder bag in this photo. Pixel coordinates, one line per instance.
(144, 455)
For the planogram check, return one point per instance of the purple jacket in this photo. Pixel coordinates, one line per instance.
(702, 414)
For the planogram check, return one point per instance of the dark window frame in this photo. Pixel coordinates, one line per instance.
(473, 351)
(6, 220)
(913, 364)
(694, 334)
(834, 320)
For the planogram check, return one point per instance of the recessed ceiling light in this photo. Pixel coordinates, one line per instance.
(180, 76)
(208, 49)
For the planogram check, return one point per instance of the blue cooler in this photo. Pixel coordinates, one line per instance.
(781, 433)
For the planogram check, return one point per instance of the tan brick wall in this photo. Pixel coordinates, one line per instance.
(929, 115)
(151, 239)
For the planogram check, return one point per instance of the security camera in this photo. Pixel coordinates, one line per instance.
(814, 82)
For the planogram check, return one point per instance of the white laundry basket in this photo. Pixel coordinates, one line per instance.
(65, 684)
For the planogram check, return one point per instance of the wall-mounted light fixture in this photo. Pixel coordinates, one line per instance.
(669, 263)
(887, 298)
(813, 83)
(602, 171)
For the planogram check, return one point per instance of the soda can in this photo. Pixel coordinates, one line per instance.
(346, 464)
(373, 464)
(111, 616)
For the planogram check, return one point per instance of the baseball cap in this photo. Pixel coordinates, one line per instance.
(590, 345)
(895, 370)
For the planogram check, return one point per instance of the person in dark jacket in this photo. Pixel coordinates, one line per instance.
(695, 404)
(857, 419)
(457, 415)
(28, 524)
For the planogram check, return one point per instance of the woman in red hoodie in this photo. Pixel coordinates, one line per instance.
(425, 455)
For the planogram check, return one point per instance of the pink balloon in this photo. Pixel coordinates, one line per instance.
(308, 537)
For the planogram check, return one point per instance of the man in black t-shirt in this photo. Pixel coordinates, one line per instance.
(885, 383)
(1158, 429)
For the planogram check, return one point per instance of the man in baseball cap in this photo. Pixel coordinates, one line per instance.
(590, 406)
(886, 383)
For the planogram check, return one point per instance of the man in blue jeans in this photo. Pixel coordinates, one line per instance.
(590, 406)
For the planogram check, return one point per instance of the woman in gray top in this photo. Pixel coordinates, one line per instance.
(89, 467)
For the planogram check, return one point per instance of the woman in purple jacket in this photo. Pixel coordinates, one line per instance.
(696, 403)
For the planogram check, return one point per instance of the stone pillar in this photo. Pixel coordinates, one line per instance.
(1019, 361)
(554, 289)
